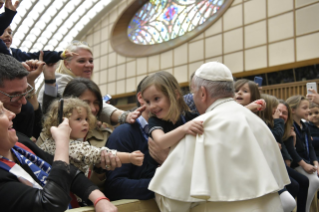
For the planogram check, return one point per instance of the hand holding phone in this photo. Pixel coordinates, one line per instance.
(311, 85)
(60, 111)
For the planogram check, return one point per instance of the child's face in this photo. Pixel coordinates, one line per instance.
(79, 123)
(7, 36)
(313, 115)
(157, 103)
(242, 95)
(303, 110)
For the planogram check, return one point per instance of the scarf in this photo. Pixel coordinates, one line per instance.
(39, 167)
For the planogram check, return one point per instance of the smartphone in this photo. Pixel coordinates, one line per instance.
(107, 97)
(311, 85)
(259, 81)
(60, 111)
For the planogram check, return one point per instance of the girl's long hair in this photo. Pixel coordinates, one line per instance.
(267, 114)
(168, 85)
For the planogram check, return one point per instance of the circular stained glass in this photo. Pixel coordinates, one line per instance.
(160, 21)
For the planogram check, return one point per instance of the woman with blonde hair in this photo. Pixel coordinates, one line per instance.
(80, 65)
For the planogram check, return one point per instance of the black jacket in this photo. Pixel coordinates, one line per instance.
(299, 152)
(63, 178)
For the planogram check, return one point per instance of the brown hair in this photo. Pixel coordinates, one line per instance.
(254, 91)
(313, 105)
(289, 121)
(51, 119)
(266, 115)
(168, 85)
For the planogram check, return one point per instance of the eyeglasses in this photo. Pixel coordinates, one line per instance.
(77, 43)
(15, 98)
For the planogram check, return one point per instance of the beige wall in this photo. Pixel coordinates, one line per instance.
(251, 35)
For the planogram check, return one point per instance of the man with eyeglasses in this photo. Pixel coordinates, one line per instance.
(16, 86)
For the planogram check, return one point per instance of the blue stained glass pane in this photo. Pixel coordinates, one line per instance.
(163, 20)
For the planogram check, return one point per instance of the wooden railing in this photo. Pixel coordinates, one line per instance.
(285, 90)
(281, 91)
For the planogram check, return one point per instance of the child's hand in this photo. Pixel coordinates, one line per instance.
(309, 168)
(193, 127)
(66, 54)
(258, 105)
(137, 158)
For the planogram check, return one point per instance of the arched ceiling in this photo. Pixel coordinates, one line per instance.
(52, 24)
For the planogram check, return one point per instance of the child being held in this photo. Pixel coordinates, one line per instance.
(171, 118)
(247, 94)
(313, 124)
(81, 120)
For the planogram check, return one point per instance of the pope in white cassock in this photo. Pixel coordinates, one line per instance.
(235, 166)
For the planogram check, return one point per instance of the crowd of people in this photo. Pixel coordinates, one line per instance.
(226, 146)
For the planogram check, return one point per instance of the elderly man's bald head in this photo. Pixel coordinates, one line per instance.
(211, 81)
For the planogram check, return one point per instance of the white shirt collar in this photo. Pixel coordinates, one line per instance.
(142, 121)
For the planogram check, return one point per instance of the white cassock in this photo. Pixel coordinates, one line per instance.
(236, 159)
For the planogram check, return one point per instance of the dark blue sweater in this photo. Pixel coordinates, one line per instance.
(48, 57)
(129, 181)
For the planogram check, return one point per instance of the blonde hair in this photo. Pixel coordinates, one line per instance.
(294, 101)
(168, 85)
(267, 114)
(51, 119)
(72, 48)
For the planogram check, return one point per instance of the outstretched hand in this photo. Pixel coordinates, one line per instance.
(258, 105)
(9, 5)
(137, 158)
(132, 116)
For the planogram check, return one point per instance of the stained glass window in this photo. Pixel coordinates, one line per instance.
(160, 21)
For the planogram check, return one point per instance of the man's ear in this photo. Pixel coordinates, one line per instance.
(203, 93)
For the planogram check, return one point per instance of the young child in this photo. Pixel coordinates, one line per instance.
(170, 120)
(248, 95)
(303, 154)
(313, 125)
(81, 120)
(271, 116)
